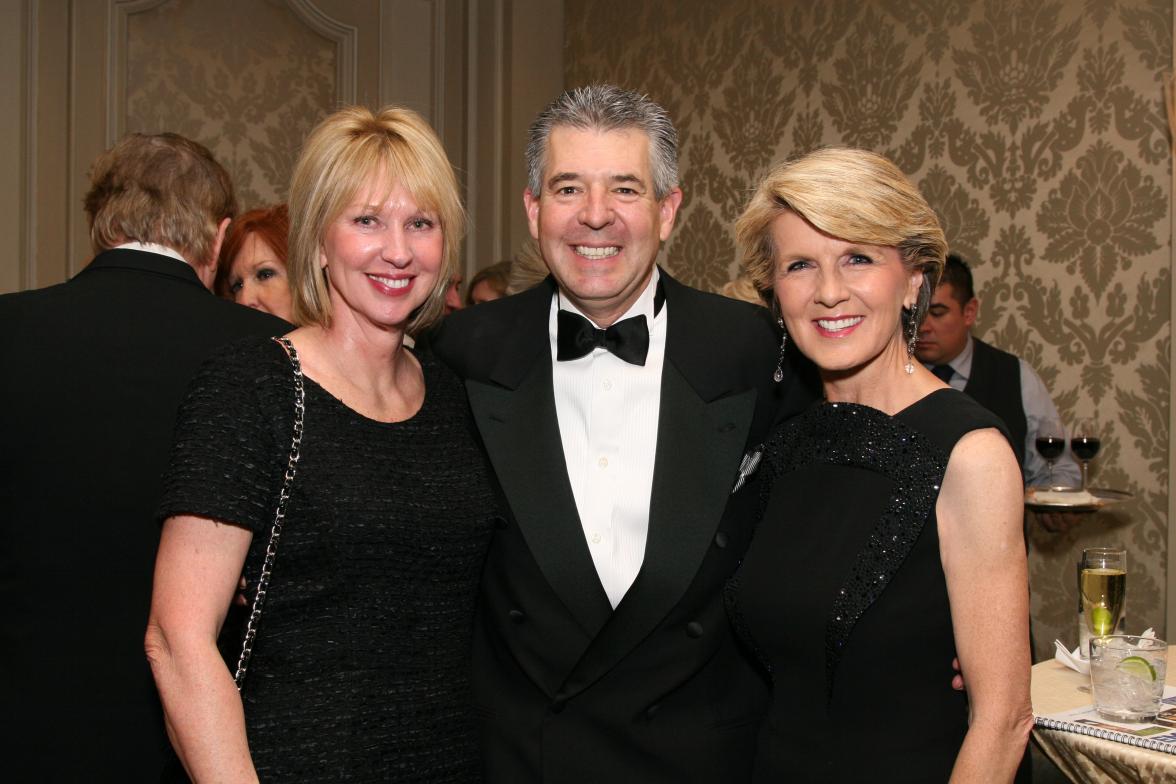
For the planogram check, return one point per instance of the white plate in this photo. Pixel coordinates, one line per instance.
(1054, 499)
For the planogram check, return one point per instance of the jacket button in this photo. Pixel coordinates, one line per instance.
(558, 704)
(499, 522)
(516, 615)
(721, 539)
(694, 629)
(651, 711)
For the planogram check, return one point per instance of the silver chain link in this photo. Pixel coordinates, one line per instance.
(271, 549)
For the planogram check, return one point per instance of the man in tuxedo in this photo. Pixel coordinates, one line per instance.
(94, 370)
(619, 409)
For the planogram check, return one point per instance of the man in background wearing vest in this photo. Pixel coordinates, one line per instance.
(1003, 383)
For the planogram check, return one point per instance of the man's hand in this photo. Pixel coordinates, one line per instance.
(240, 599)
(1060, 522)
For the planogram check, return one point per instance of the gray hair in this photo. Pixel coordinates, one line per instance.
(606, 107)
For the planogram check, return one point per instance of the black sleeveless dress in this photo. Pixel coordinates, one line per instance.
(843, 598)
(361, 667)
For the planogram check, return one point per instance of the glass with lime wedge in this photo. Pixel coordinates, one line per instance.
(1127, 676)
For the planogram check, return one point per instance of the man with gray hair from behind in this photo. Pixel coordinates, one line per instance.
(618, 408)
(95, 369)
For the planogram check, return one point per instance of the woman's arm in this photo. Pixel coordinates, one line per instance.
(196, 574)
(981, 542)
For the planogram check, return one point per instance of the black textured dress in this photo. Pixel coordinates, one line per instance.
(843, 597)
(361, 668)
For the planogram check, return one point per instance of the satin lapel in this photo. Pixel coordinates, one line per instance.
(521, 432)
(699, 446)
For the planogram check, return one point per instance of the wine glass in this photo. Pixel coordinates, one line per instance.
(1051, 442)
(1103, 586)
(1084, 444)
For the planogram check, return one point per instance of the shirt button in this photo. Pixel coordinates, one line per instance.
(595, 538)
(602, 462)
(607, 385)
(694, 629)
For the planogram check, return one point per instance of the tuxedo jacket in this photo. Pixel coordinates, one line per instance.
(93, 372)
(567, 689)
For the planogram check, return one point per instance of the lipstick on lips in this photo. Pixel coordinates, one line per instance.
(391, 285)
(838, 327)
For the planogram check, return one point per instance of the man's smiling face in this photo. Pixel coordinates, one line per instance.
(597, 221)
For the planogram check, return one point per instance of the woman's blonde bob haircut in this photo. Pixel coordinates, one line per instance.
(340, 157)
(854, 195)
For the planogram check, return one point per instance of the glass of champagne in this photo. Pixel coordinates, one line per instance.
(1104, 589)
(1084, 444)
(1051, 443)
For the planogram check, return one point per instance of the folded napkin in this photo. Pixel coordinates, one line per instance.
(1070, 658)
(1074, 661)
(1067, 497)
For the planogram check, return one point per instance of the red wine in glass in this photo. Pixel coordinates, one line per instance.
(1084, 447)
(1051, 447)
(1050, 443)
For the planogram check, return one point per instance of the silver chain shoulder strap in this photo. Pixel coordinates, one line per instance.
(271, 549)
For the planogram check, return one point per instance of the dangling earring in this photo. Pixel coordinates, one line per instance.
(912, 327)
(778, 376)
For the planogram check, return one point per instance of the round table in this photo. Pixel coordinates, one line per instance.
(1082, 758)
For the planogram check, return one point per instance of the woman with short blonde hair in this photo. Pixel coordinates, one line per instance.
(886, 209)
(891, 541)
(338, 158)
(363, 584)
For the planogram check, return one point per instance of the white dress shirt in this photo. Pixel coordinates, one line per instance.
(151, 247)
(1040, 411)
(607, 411)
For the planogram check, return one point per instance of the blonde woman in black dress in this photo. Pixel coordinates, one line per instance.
(891, 541)
(360, 668)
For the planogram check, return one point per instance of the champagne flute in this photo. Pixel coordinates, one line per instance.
(1051, 442)
(1085, 444)
(1103, 586)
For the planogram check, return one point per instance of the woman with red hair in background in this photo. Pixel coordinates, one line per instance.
(251, 270)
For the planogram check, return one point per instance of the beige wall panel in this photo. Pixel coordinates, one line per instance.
(516, 57)
(13, 51)
(536, 78)
(247, 80)
(48, 198)
(1036, 129)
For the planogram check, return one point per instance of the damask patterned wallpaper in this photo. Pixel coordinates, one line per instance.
(246, 79)
(1037, 130)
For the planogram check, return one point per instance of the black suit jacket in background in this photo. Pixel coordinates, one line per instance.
(568, 689)
(93, 371)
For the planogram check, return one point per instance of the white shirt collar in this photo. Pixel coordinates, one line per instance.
(962, 364)
(643, 305)
(151, 247)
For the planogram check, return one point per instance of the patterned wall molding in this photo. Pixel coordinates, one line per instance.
(346, 40)
(1036, 129)
(248, 80)
(118, 15)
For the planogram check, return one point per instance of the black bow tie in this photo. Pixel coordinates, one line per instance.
(943, 373)
(627, 339)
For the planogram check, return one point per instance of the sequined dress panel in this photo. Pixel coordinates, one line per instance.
(842, 594)
(361, 669)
